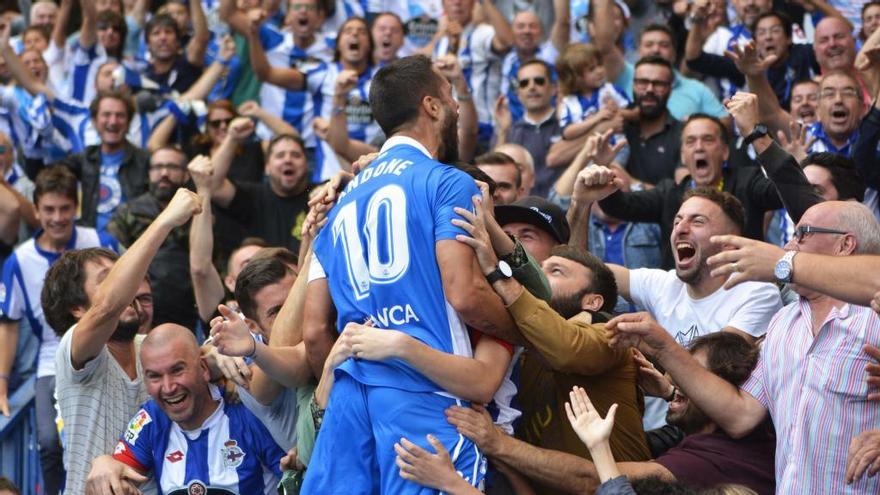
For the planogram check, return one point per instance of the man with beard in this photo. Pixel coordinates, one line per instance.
(707, 456)
(655, 138)
(272, 210)
(55, 197)
(566, 347)
(89, 300)
(389, 254)
(238, 455)
(169, 271)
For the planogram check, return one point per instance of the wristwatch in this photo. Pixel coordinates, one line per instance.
(785, 268)
(759, 131)
(501, 272)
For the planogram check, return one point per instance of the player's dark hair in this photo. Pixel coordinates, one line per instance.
(844, 174)
(729, 204)
(783, 19)
(256, 274)
(397, 91)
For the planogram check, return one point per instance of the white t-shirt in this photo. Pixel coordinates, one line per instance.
(748, 307)
(96, 403)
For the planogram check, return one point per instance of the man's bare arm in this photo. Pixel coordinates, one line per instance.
(319, 325)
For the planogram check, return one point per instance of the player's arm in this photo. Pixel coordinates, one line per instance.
(319, 330)
(117, 291)
(468, 292)
(285, 77)
(475, 379)
(503, 39)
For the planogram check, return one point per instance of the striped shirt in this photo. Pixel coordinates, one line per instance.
(95, 402)
(815, 390)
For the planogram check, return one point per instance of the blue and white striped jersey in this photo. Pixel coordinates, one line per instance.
(22, 282)
(232, 453)
(418, 16)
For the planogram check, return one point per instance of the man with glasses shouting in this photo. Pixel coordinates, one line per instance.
(169, 272)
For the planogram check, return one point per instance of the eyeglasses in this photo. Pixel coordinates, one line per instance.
(215, 124)
(802, 231)
(644, 83)
(829, 93)
(303, 6)
(539, 81)
(171, 167)
(106, 25)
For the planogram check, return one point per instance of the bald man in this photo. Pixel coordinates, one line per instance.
(186, 437)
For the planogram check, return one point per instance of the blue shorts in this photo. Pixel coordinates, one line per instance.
(354, 453)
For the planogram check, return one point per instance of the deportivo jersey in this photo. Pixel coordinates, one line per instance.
(232, 453)
(377, 253)
(575, 108)
(509, 82)
(419, 18)
(23, 274)
(296, 107)
(481, 67)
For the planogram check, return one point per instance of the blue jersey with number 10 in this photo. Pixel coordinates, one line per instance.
(377, 251)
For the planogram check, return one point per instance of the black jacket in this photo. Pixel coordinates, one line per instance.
(756, 192)
(86, 165)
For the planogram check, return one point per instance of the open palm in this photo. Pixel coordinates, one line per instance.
(590, 427)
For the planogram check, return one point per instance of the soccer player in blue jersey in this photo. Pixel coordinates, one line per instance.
(186, 436)
(388, 253)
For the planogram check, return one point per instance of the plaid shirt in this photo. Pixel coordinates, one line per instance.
(816, 393)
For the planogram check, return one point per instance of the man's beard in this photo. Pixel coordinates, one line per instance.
(567, 305)
(650, 112)
(691, 421)
(126, 330)
(162, 194)
(448, 152)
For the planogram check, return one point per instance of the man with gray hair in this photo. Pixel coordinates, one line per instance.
(812, 364)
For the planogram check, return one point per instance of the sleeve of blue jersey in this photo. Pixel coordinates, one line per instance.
(108, 241)
(7, 311)
(139, 433)
(454, 188)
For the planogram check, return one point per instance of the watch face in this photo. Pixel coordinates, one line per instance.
(505, 269)
(782, 271)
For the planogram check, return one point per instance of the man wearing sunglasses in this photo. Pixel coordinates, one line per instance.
(538, 128)
(173, 298)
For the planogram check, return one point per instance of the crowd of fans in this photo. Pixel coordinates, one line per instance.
(459, 246)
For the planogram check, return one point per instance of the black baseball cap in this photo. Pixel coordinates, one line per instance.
(536, 211)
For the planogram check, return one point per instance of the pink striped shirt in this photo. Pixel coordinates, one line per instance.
(816, 393)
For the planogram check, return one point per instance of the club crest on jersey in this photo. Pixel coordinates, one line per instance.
(197, 488)
(141, 419)
(232, 454)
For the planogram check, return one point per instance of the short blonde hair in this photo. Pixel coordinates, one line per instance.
(571, 64)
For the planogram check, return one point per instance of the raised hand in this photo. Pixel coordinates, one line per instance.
(321, 127)
(798, 145)
(873, 370)
(241, 128)
(249, 108)
(181, 208)
(503, 119)
(744, 109)
(231, 335)
(475, 225)
(605, 151)
(638, 330)
(748, 61)
(595, 183)
(345, 82)
(590, 427)
(201, 169)
(745, 259)
(651, 381)
(450, 67)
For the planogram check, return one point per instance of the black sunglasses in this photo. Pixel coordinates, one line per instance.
(803, 230)
(539, 81)
(107, 25)
(215, 124)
